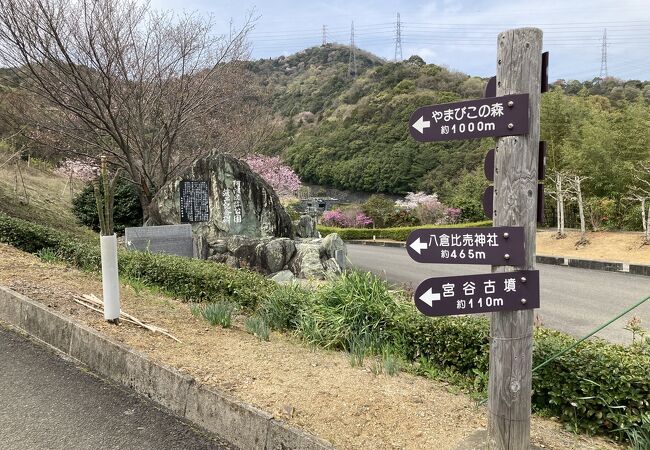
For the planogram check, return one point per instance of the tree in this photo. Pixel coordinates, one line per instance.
(379, 208)
(558, 193)
(150, 90)
(641, 192)
(574, 183)
(281, 177)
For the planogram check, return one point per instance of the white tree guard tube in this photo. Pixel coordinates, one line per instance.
(110, 278)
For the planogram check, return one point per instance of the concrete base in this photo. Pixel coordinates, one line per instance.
(478, 441)
(243, 425)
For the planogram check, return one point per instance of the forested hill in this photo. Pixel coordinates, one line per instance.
(351, 133)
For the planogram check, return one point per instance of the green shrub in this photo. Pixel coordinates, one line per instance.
(258, 327)
(604, 387)
(127, 213)
(397, 234)
(219, 313)
(189, 279)
(379, 208)
(194, 279)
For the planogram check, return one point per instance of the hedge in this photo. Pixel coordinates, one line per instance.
(596, 387)
(188, 279)
(396, 234)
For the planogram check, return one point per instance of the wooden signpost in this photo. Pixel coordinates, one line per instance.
(519, 69)
(511, 292)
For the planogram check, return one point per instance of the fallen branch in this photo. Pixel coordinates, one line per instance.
(95, 304)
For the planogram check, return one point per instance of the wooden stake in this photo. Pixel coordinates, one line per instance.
(519, 56)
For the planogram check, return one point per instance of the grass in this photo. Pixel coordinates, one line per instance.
(258, 327)
(219, 313)
(48, 255)
(41, 196)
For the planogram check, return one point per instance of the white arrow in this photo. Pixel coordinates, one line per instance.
(421, 124)
(429, 297)
(418, 246)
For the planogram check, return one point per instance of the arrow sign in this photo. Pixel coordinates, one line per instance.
(495, 116)
(499, 246)
(421, 124)
(418, 246)
(473, 294)
(429, 297)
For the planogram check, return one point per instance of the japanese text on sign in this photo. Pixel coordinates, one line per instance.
(496, 116)
(194, 201)
(471, 294)
(497, 245)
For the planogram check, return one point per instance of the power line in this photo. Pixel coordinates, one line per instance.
(324, 35)
(398, 40)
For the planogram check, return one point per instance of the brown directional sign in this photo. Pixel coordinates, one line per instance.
(491, 87)
(544, 81)
(472, 294)
(488, 165)
(485, 117)
(499, 246)
(488, 202)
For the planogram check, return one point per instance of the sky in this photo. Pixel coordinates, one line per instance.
(458, 34)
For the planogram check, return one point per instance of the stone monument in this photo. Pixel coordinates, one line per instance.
(220, 197)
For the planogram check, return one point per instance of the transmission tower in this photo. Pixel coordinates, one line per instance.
(324, 35)
(398, 39)
(352, 63)
(603, 56)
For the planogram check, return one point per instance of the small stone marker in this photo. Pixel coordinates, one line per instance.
(169, 239)
(472, 294)
(494, 246)
(195, 201)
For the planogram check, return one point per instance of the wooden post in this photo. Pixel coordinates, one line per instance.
(519, 57)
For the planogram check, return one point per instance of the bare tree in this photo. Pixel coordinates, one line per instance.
(152, 90)
(641, 192)
(574, 187)
(558, 192)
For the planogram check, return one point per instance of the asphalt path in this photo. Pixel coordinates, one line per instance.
(573, 300)
(47, 402)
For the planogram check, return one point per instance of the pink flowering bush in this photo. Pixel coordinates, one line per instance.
(281, 177)
(362, 221)
(78, 169)
(427, 208)
(350, 219)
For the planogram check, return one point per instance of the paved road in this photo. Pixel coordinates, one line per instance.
(572, 300)
(49, 403)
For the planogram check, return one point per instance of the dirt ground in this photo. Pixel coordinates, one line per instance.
(603, 245)
(314, 389)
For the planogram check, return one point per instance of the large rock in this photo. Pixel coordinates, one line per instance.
(284, 277)
(240, 203)
(307, 263)
(306, 227)
(274, 255)
(333, 243)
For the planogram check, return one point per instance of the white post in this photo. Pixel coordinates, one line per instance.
(110, 280)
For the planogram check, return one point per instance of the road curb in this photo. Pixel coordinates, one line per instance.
(608, 266)
(244, 425)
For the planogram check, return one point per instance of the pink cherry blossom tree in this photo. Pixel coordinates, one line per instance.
(281, 177)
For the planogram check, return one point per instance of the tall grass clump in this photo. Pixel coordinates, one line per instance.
(281, 309)
(219, 313)
(357, 306)
(258, 327)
